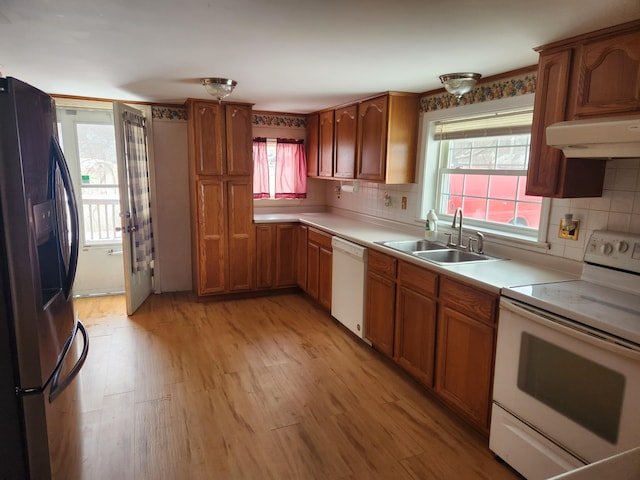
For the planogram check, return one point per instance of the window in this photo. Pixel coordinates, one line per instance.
(279, 169)
(479, 163)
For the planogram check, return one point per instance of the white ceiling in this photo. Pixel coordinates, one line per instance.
(292, 56)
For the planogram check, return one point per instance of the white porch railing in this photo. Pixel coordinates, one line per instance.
(101, 217)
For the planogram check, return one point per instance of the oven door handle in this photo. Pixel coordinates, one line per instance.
(568, 327)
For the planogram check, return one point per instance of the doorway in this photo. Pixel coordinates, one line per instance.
(87, 137)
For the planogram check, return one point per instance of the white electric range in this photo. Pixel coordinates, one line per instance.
(567, 376)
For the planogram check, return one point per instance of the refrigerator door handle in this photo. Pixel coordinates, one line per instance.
(58, 158)
(57, 385)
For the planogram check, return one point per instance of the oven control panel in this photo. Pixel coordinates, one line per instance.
(614, 249)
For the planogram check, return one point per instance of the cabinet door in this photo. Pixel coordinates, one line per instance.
(380, 311)
(211, 244)
(345, 142)
(415, 335)
(208, 143)
(239, 140)
(325, 268)
(265, 247)
(465, 358)
(608, 76)
(543, 176)
(240, 234)
(285, 243)
(301, 256)
(326, 144)
(372, 139)
(313, 269)
(312, 145)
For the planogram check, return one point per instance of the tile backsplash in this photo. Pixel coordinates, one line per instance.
(618, 208)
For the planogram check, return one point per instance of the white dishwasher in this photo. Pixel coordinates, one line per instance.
(348, 284)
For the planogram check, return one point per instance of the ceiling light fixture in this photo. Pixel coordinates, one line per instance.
(219, 87)
(459, 83)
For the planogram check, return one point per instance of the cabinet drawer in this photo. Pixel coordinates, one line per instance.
(382, 264)
(466, 299)
(418, 279)
(319, 237)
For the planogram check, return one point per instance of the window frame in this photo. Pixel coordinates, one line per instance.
(430, 165)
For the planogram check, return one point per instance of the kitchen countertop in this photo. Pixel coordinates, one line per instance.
(491, 275)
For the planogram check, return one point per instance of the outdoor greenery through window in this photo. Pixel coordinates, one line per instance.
(483, 164)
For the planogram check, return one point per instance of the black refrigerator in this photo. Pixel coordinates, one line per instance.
(43, 345)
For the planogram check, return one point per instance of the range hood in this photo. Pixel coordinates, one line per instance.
(605, 138)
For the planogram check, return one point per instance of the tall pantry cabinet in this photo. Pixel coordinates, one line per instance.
(221, 167)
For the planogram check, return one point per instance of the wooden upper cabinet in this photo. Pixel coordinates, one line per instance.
(325, 141)
(207, 137)
(592, 75)
(549, 107)
(346, 122)
(372, 139)
(239, 140)
(608, 76)
(387, 138)
(312, 145)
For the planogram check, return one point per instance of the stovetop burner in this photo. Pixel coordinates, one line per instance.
(607, 297)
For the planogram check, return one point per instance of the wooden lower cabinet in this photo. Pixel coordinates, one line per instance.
(415, 325)
(465, 354)
(225, 236)
(466, 343)
(301, 256)
(325, 270)
(240, 234)
(275, 255)
(265, 246)
(209, 265)
(380, 301)
(439, 330)
(319, 266)
(380, 307)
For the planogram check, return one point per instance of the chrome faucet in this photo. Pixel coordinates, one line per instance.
(453, 225)
(479, 240)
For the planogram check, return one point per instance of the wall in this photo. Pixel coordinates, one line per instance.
(617, 209)
(172, 225)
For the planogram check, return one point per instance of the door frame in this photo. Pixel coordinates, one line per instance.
(71, 103)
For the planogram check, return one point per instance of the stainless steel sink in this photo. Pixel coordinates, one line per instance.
(410, 246)
(453, 256)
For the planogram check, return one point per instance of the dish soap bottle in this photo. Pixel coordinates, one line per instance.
(431, 226)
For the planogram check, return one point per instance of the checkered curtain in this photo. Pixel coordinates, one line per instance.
(137, 164)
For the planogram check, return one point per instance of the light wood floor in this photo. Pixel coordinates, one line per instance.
(268, 388)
